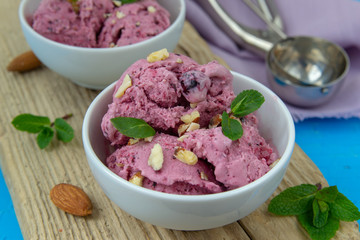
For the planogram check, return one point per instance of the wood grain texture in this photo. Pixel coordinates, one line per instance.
(30, 173)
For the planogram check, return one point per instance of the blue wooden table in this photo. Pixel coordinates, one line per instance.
(332, 144)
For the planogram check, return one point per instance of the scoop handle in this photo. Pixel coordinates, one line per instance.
(255, 40)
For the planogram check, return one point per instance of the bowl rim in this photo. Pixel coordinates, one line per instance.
(282, 163)
(24, 22)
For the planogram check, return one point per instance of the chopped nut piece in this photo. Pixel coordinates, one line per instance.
(113, 21)
(133, 141)
(117, 3)
(148, 139)
(156, 157)
(137, 24)
(112, 45)
(194, 116)
(151, 9)
(192, 127)
(193, 105)
(106, 15)
(185, 156)
(179, 60)
(182, 128)
(125, 85)
(215, 121)
(119, 164)
(120, 15)
(203, 176)
(180, 139)
(158, 55)
(137, 179)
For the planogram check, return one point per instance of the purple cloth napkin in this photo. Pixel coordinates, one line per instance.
(335, 20)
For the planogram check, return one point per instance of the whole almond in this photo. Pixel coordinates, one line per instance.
(24, 62)
(71, 199)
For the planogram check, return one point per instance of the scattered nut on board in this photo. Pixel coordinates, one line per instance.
(71, 199)
(24, 62)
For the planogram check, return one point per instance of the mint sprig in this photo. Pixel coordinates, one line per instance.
(45, 129)
(245, 103)
(132, 127)
(318, 210)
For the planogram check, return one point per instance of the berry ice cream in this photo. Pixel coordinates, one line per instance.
(182, 100)
(99, 23)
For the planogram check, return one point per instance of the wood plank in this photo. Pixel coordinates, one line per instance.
(30, 173)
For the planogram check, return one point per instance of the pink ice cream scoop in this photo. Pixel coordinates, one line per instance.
(132, 23)
(78, 25)
(99, 23)
(157, 95)
(162, 93)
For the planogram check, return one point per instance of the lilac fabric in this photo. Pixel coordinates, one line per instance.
(335, 20)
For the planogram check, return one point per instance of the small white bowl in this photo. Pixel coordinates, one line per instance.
(183, 212)
(96, 68)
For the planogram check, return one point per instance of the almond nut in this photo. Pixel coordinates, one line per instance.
(124, 85)
(182, 128)
(24, 62)
(194, 116)
(137, 179)
(133, 141)
(158, 55)
(156, 157)
(71, 199)
(185, 156)
(215, 121)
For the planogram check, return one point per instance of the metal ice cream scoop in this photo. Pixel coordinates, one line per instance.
(304, 71)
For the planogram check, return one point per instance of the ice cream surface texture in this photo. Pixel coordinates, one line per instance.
(99, 23)
(189, 154)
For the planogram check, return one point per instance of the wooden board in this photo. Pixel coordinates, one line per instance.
(30, 173)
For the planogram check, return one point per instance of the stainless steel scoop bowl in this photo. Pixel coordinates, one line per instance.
(304, 71)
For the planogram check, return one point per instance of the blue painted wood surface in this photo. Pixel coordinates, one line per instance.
(332, 144)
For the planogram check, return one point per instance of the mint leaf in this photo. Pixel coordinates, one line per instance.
(44, 137)
(342, 208)
(321, 213)
(127, 1)
(30, 123)
(132, 127)
(323, 233)
(327, 194)
(64, 131)
(246, 102)
(294, 200)
(231, 128)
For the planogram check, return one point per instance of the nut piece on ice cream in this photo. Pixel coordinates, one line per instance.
(194, 116)
(158, 55)
(137, 179)
(186, 156)
(125, 85)
(156, 157)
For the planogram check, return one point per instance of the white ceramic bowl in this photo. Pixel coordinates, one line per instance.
(192, 212)
(96, 68)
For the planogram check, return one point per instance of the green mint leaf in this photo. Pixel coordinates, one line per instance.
(320, 212)
(30, 123)
(64, 131)
(127, 1)
(132, 127)
(231, 128)
(44, 137)
(323, 233)
(327, 194)
(342, 208)
(294, 200)
(247, 102)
